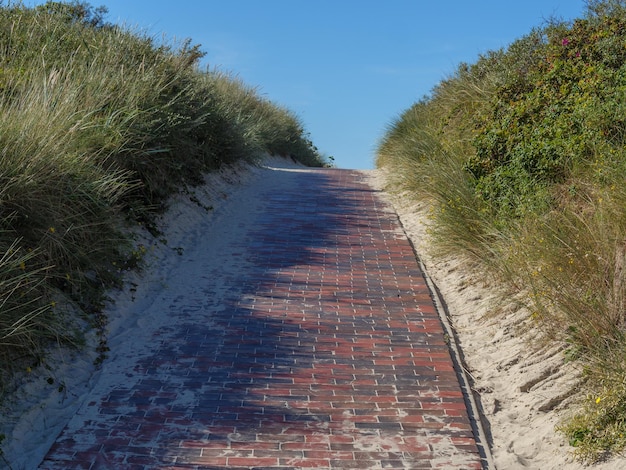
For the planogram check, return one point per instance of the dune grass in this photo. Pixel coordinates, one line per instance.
(521, 155)
(99, 124)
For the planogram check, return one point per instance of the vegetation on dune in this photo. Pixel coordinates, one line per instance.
(522, 157)
(98, 126)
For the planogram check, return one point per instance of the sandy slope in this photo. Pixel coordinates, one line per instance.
(524, 393)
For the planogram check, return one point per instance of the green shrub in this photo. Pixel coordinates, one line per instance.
(572, 115)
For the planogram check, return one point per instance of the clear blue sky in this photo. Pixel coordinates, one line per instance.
(347, 68)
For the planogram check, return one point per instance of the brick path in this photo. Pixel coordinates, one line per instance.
(325, 351)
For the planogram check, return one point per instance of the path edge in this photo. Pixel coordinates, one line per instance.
(475, 415)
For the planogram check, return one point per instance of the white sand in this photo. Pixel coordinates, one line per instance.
(524, 393)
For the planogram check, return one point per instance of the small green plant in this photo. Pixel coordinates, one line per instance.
(600, 428)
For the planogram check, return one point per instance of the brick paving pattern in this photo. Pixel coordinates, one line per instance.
(326, 352)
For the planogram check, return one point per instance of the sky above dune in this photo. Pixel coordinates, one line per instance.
(347, 68)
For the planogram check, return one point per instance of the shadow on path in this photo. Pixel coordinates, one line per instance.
(324, 352)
